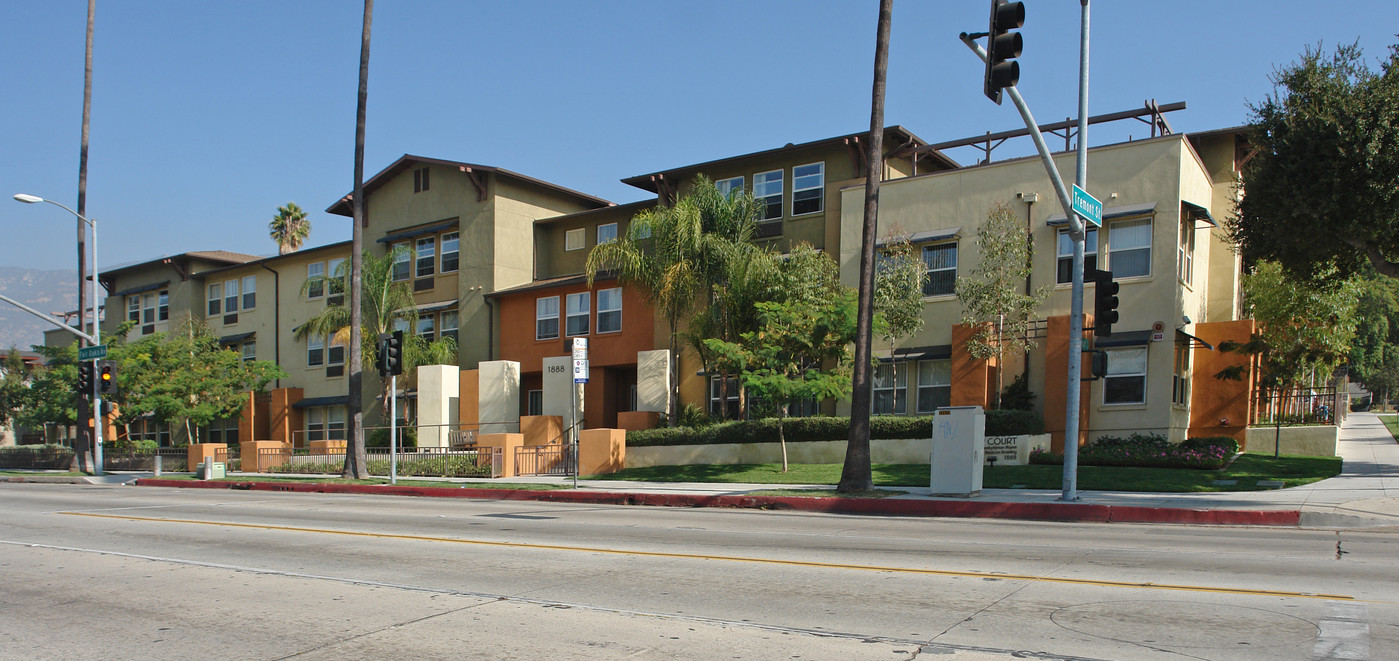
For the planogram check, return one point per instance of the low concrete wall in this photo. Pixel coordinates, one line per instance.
(1316, 441)
(882, 451)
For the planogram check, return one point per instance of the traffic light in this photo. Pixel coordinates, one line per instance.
(1002, 46)
(1098, 367)
(379, 351)
(107, 379)
(1104, 301)
(390, 353)
(84, 384)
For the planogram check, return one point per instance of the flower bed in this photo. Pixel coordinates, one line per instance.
(1149, 451)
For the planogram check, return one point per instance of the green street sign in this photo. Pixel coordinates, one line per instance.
(92, 353)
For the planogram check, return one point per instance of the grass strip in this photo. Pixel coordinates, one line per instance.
(521, 486)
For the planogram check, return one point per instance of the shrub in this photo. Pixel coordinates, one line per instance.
(824, 428)
(1229, 445)
(36, 456)
(379, 438)
(1148, 451)
(1012, 422)
(1017, 396)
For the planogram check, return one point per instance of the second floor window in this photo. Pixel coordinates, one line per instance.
(148, 309)
(940, 265)
(449, 324)
(546, 318)
(315, 280)
(335, 272)
(315, 351)
(1065, 273)
(609, 310)
(163, 306)
(767, 188)
(249, 292)
(451, 251)
(578, 309)
(427, 256)
(230, 296)
(573, 239)
(728, 186)
(402, 261)
(215, 299)
(420, 181)
(1187, 250)
(808, 188)
(133, 308)
(336, 354)
(606, 233)
(1129, 248)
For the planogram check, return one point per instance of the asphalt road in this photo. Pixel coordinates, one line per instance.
(98, 572)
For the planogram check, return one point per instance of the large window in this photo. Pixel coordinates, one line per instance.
(808, 188)
(148, 309)
(1066, 254)
(427, 256)
(573, 239)
(609, 310)
(767, 188)
(223, 431)
(1129, 248)
(577, 318)
(1180, 375)
(230, 296)
(449, 324)
(249, 351)
(451, 251)
(546, 318)
(315, 351)
(215, 299)
(890, 388)
(940, 265)
(315, 424)
(249, 292)
(337, 280)
(335, 421)
(427, 327)
(1125, 382)
(335, 355)
(606, 233)
(1186, 250)
(934, 385)
(163, 306)
(133, 308)
(728, 186)
(402, 261)
(315, 280)
(723, 399)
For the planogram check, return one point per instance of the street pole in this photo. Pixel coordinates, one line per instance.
(97, 418)
(1071, 418)
(393, 429)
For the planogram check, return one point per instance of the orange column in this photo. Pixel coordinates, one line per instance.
(469, 399)
(1219, 407)
(601, 451)
(1056, 374)
(973, 379)
(283, 419)
(248, 418)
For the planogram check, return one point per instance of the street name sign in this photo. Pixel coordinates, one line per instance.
(98, 352)
(1087, 207)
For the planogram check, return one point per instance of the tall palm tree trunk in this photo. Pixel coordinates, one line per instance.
(855, 476)
(356, 460)
(83, 447)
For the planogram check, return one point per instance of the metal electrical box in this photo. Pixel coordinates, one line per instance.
(959, 446)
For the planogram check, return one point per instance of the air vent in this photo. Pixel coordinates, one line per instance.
(230, 319)
(422, 284)
(334, 370)
(148, 329)
(770, 228)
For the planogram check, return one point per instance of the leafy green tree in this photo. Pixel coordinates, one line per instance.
(800, 349)
(1374, 354)
(289, 228)
(1323, 187)
(993, 295)
(14, 378)
(47, 396)
(386, 304)
(898, 291)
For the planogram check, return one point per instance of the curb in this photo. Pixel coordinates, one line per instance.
(1062, 512)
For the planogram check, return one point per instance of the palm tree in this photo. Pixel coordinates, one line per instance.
(289, 228)
(355, 459)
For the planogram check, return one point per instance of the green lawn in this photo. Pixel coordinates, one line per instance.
(375, 480)
(1392, 422)
(43, 473)
(1246, 471)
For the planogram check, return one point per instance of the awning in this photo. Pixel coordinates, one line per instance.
(235, 339)
(927, 237)
(435, 307)
(408, 234)
(342, 400)
(1123, 339)
(936, 352)
(1196, 212)
(1194, 339)
(143, 288)
(1109, 213)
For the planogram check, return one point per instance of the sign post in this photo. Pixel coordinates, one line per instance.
(580, 377)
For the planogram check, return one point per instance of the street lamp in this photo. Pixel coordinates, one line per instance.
(97, 418)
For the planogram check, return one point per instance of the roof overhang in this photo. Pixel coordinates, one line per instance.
(1109, 213)
(1198, 213)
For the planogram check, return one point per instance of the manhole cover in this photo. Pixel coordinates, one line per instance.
(1186, 624)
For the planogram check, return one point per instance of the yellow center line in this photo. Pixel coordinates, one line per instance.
(730, 558)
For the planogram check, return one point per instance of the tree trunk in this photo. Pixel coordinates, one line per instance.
(356, 462)
(855, 475)
(80, 441)
(781, 437)
(674, 392)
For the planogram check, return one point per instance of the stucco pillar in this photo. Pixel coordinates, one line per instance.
(1219, 407)
(653, 380)
(1056, 374)
(499, 396)
(439, 387)
(601, 451)
(507, 443)
(973, 379)
(558, 387)
(283, 420)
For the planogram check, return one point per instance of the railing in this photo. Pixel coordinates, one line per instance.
(171, 459)
(544, 460)
(424, 462)
(1299, 406)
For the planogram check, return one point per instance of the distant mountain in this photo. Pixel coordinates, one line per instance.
(45, 291)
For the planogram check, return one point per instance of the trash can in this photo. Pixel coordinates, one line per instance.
(959, 440)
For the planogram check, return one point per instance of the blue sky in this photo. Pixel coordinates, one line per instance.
(208, 115)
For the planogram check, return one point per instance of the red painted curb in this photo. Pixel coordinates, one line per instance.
(1072, 512)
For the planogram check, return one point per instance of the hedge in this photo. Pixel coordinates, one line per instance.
(36, 456)
(1149, 451)
(825, 428)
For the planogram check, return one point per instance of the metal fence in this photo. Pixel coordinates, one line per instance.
(1298, 406)
(544, 460)
(424, 462)
(171, 459)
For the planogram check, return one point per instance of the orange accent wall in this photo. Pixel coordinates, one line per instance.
(1056, 372)
(469, 399)
(282, 419)
(517, 329)
(1220, 407)
(973, 380)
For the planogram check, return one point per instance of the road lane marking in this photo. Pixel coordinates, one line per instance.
(729, 558)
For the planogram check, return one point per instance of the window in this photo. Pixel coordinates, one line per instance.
(1066, 254)
(249, 292)
(640, 230)
(133, 308)
(427, 327)
(1125, 382)
(808, 188)
(249, 351)
(223, 431)
(400, 324)
(215, 299)
(230, 296)
(606, 233)
(1186, 250)
(315, 351)
(163, 306)
(546, 318)
(148, 309)
(934, 385)
(940, 264)
(577, 318)
(728, 186)
(723, 397)
(315, 280)
(449, 324)
(401, 258)
(767, 188)
(573, 239)
(335, 427)
(420, 180)
(890, 388)
(427, 255)
(1180, 375)
(315, 424)
(535, 405)
(609, 310)
(1129, 248)
(336, 354)
(337, 280)
(451, 251)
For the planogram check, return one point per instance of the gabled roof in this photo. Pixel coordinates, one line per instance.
(630, 207)
(896, 139)
(218, 256)
(272, 258)
(342, 207)
(605, 276)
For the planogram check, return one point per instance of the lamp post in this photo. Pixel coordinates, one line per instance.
(97, 417)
